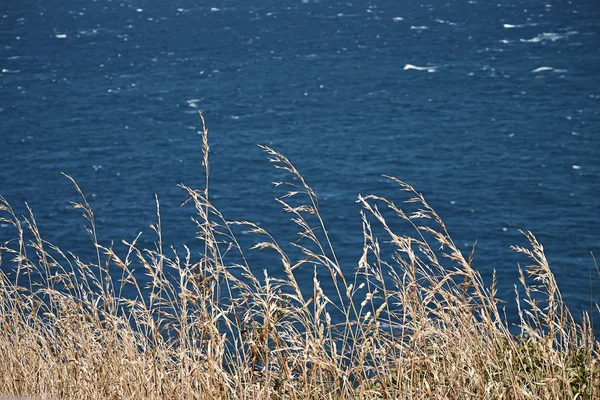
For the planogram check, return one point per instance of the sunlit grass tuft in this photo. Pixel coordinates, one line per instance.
(411, 320)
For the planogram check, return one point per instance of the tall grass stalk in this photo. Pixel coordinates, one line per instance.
(413, 321)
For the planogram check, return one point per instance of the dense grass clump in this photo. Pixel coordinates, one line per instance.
(414, 321)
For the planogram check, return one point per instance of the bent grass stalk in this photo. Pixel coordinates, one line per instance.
(416, 323)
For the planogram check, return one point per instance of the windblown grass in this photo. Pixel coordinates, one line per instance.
(416, 323)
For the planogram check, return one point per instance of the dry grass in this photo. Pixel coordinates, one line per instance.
(413, 321)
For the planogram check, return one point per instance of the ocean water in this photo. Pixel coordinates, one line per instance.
(490, 109)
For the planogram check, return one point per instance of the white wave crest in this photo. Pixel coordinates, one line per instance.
(416, 68)
(512, 26)
(549, 36)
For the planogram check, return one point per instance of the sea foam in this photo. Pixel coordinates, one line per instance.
(416, 68)
(511, 26)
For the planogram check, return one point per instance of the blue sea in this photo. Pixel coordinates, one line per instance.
(491, 109)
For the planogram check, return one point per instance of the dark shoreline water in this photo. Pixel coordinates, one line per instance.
(490, 110)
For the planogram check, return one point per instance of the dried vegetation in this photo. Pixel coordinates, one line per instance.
(411, 320)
